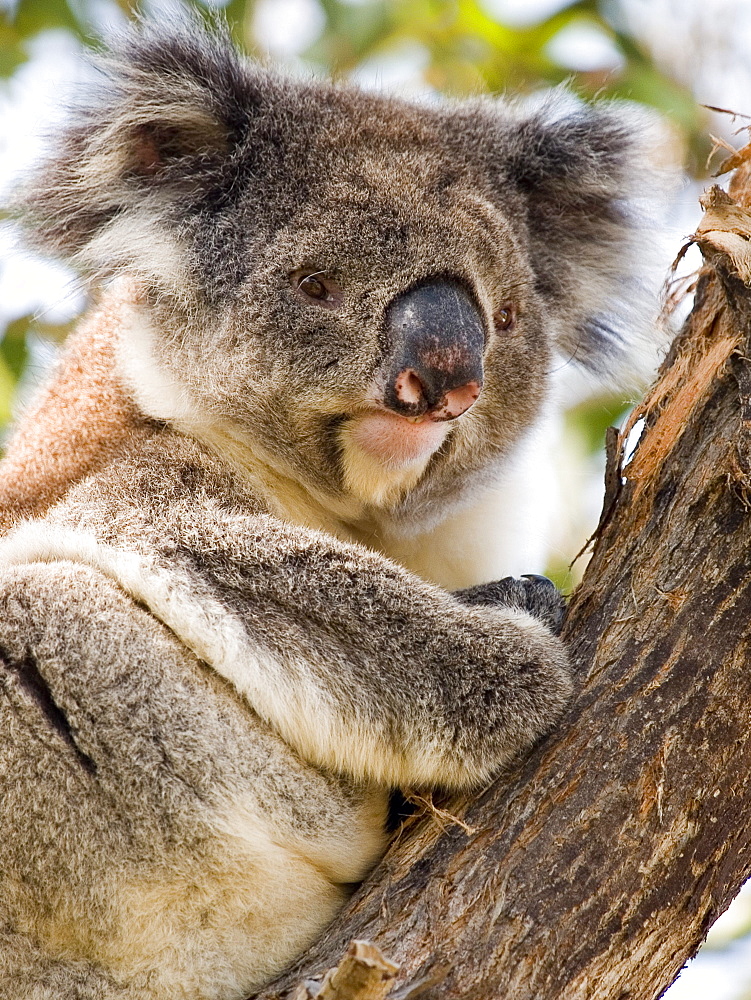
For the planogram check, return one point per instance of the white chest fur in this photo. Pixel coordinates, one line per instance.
(506, 532)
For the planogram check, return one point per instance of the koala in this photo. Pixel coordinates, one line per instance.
(248, 578)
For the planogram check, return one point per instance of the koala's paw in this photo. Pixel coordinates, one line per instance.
(532, 593)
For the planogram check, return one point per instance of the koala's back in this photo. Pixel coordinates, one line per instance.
(81, 419)
(149, 787)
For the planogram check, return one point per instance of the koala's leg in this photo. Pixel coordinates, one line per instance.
(154, 832)
(26, 973)
(360, 666)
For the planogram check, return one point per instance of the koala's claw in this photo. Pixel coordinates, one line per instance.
(532, 593)
(546, 581)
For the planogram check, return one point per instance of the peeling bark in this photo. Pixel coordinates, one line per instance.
(363, 974)
(595, 869)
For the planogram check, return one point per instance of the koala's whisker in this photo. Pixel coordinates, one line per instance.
(569, 360)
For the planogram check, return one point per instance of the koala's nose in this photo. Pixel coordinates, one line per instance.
(437, 335)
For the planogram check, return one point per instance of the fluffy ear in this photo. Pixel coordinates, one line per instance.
(594, 200)
(169, 108)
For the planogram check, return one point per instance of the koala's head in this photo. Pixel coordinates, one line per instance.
(368, 295)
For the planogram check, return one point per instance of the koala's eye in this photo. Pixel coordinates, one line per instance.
(504, 317)
(312, 287)
(317, 287)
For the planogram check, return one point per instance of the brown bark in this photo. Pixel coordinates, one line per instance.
(363, 973)
(596, 868)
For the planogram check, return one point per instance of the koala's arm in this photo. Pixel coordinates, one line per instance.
(381, 675)
(367, 670)
(359, 665)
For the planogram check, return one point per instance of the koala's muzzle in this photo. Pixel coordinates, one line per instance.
(438, 335)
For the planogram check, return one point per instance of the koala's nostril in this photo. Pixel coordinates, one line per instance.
(408, 388)
(415, 396)
(457, 401)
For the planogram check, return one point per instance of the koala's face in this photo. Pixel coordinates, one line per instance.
(370, 303)
(364, 293)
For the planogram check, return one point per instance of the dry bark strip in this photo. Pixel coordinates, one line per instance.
(596, 868)
(363, 973)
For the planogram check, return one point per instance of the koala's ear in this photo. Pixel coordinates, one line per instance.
(593, 196)
(167, 110)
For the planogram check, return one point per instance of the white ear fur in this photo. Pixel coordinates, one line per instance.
(137, 243)
(158, 113)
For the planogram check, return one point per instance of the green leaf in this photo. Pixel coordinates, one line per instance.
(7, 391)
(33, 16)
(12, 50)
(13, 349)
(591, 419)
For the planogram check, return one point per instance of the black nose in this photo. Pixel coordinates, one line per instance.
(437, 337)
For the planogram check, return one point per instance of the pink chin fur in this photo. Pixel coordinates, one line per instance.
(396, 441)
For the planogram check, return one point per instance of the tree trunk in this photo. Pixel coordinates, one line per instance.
(595, 869)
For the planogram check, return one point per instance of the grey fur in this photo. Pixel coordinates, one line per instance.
(213, 666)
(535, 594)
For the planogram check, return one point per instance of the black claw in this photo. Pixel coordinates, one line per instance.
(532, 593)
(539, 579)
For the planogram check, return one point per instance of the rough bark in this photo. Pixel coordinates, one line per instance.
(363, 973)
(596, 868)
